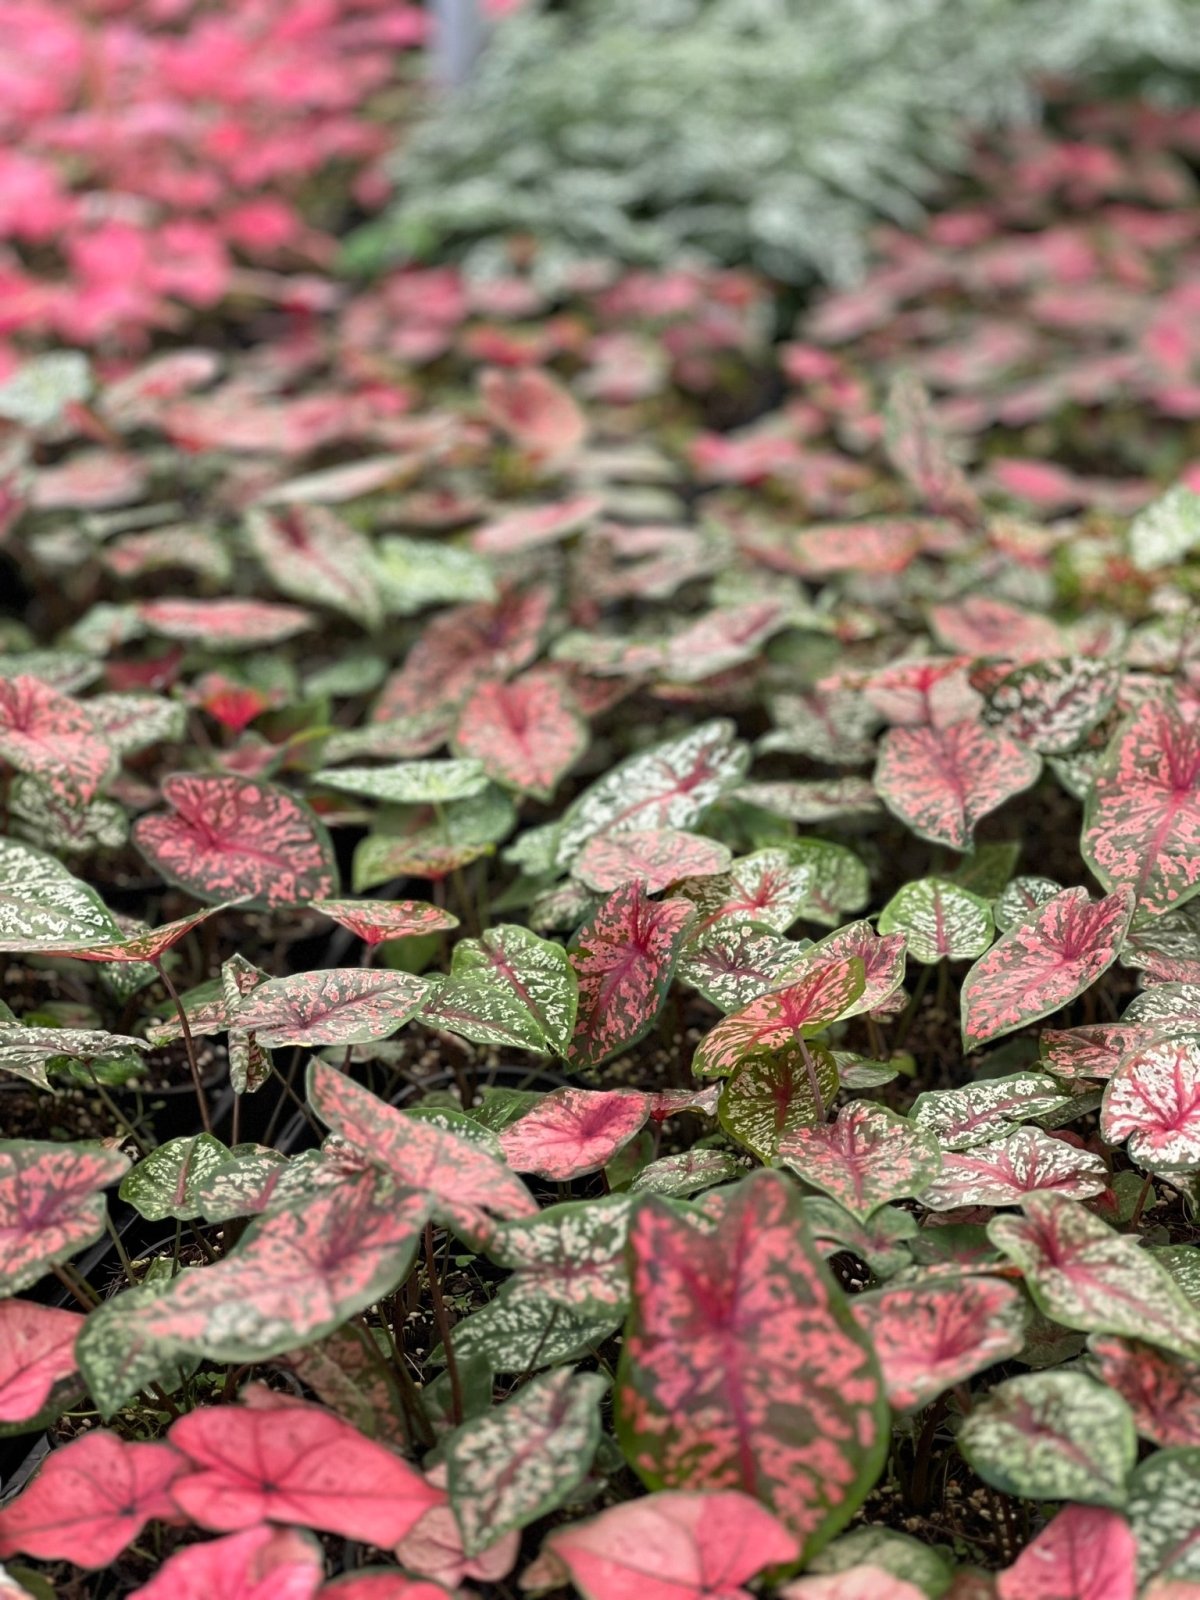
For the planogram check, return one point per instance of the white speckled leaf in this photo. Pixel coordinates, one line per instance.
(1164, 1509)
(1153, 1100)
(43, 907)
(962, 1118)
(939, 919)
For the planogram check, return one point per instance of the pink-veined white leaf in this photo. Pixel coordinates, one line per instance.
(571, 1132)
(508, 988)
(1086, 1553)
(961, 1119)
(375, 921)
(263, 1563)
(942, 781)
(940, 920)
(654, 857)
(310, 554)
(864, 1158)
(624, 958)
(1052, 705)
(237, 839)
(1036, 968)
(930, 1336)
(1153, 1101)
(225, 624)
(1001, 1172)
(42, 906)
(742, 1367)
(1161, 1389)
(767, 888)
(829, 992)
(525, 734)
(531, 527)
(51, 1204)
(335, 1005)
(37, 1350)
(53, 737)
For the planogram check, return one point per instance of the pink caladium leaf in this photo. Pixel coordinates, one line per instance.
(385, 1583)
(723, 639)
(571, 1132)
(742, 1367)
(508, 988)
(53, 737)
(1052, 705)
(236, 839)
(375, 921)
(310, 554)
(734, 962)
(463, 1180)
(1153, 1101)
(772, 1093)
(525, 734)
(1000, 1172)
(942, 781)
(653, 857)
(768, 888)
(50, 1204)
(295, 1463)
(334, 1005)
(624, 959)
(983, 626)
(673, 1546)
(260, 1564)
(1141, 820)
(1086, 1553)
(530, 527)
(882, 957)
(37, 1350)
(1037, 967)
(225, 624)
(536, 412)
(919, 452)
(929, 691)
(864, 1158)
(1085, 1276)
(776, 1019)
(435, 1549)
(930, 1336)
(1161, 1389)
(91, 1499)
(1094, 1051)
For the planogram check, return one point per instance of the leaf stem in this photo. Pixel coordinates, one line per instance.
(189, 1045)
(443, 1327)
(78, 1288)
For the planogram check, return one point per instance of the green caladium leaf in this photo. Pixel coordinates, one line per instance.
(248, 1180)
(1053, 1436)
(939, 920)
(25, 1052)
(168, 1182)
(962, 1118)
(430, 841)
(523, 1458)
(688, 1172)
(62, 822)
(527, 1335)
(1164, 1510)
(773, 1092)
(509, 988)
(865, 1158)
(876, 1554)
(413, 783)
(116, 1359)
(1085, 1276)
(43, 907)
(570, 1255)
(1022, 900)
(987, 869)
(1167, 530)
(840, 882)
(733, 963)
(881, 1241)
(415, 573)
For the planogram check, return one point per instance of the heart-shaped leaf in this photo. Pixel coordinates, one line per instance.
(574, 1131)
(462, 647)
(1161, 1389)
(52, 737)
(839, 881)
(705, 1398)
(779, 1018)
(336, 1005)
(168, 1182)
(261, 1564)
(1051, 705)
(525, 735)
(50, 1204)
(733, 963)
(767, 888)
(1038, 967)
(930, 1336)
(431, 841)
(237, 839)
(225, 624)
(570, 1255)
(939, 920)
(941, 781)
(1153, 1100)
(624, 959)
(882, 959)
(37, 1350)
(962, 1118)
(1002, 1171)
(653, 857)
(135, 948)
(1086, 1553)
(509, 988)
(43, 907)
(312, 555)
(772, 1093)
(865, 1158)
(375, 921)
(524, 1335)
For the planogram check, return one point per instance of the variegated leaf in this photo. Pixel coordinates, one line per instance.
(775, 1020)
(881, 1241)
(167, 1182)
(509, 988)
(624, 959)
(962, 1118)
(1094, 1051)
(1167, 949)
(339, 1005)
(831, 726)
(919, 452)
(1004, 1170)
(865, 1158)
(431, 841)
(1021, 901)
(409, 783)
(571, 1132)
(1052, 705)
(1164, 1511)
(772, 1093)
(570, 1255)
(941, 781)
(732, 963)
(767, 888)
(375, 921)
(59, 822)
(520, 1460)
(1086, 1553)
(225, 624)
(1161, 1389)
(653, 857)
(312, 555)
(526, 1335)
(52, 737)
(882, 959)
(939, 920)
(526, 734)
(813, 800)
(1153, 1101)
(43, 907)
(840, 882)
(742, 1367)
(687, 1173)
(51, 1204)
(1038, 967)
(930, 1336)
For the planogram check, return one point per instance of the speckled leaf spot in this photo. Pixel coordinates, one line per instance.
(1086, 1553)
(295, 1275)
(767, 888)
(236, 839)
(1021, 900)
(772, 1093)
(298, 1463)
(42, 907)
(262, 1563)
(1038, 967)
(375, 921)
(570, 1255)
(1026, 1161)
(1052, 705)
(653, 857)
(1085, 1276)
(668, 786)
(334, 1005)
(919, 452)
(37, 1351)
(50, 1204)
(939, 920)
(311, 554)
(523, 1458)
(833, 726)
(1153, 1101)
(574, 1131)
(225, 624)
(687, 1173)
(25, 1052)
(734, 962)
(1052, 1436)
(942, 781)
(52, 737)
(742, 1367)
(210, 1007)
(930, 1336)
(463, 1180)
(168, 1182)
(526, 734)
(865, 1158)
(1164, 1509)
(1167, 948)
(812, 800)
(777, 1019)
(962, 1118)
(344, 1372)
(624, 959)
(509, 987)
(1160, 1388)
(672, 1546)
(132, 722)
(1141, 821)
(90, 1500)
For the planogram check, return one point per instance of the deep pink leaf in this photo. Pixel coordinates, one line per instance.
(942, 781)
(624, 958)
(574, 1131)
(1035, 968)
(375, 921)
(654, 857)
(333, 1005)
(1161, 1389)
(1087, 1553)
(773, 1020)
(37, 1349)
(526, 734)
(92, 1498)
(234, 839)
(434, 1547)
(382, 1585)
(50, 1204)
(536, 412)
(260, 1564)
(53, 737)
